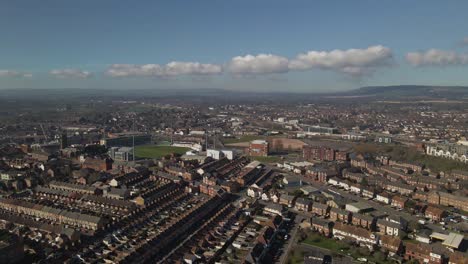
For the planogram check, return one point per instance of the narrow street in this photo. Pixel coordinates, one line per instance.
(292, 241)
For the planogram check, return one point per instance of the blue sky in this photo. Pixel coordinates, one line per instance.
(303, 46)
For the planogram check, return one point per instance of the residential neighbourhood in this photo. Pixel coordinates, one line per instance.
(247, 196)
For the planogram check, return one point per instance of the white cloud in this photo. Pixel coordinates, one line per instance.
(70, 73)
(191, 68)
(127, 70)
(354, 62)
(174, 68)
(351, 61)
(12, 73)
(259, 64)
(435, 57)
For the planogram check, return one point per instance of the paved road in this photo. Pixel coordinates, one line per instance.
(292, 240)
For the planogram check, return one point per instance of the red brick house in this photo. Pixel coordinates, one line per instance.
(341, 155)
(287, 200)
(420, 195)
(357, 234)
(365, 221)
(434, 213)
(319, 174)
(303, 204)
(399, 201)
(322, 226)
(320, 209)
(340, 215)
(422, 253)
(391, 244)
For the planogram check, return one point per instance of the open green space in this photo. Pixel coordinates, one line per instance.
(342, 248)
(317, 240)
(154, 151)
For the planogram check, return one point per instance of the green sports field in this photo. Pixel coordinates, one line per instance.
(154, 151)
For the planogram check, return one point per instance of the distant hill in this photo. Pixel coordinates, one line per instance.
(412, 91)
(400, 92)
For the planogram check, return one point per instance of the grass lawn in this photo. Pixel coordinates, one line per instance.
(324, 242)
(153, 151)
(344, 249)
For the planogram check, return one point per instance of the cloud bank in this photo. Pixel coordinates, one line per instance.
(351, 61)
(70, 73)
(354, 62)
(174, 68)
(259, 64)
(435, 57)
(12, 73)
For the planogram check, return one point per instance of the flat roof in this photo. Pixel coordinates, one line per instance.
(453, 240)
(439, 236)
